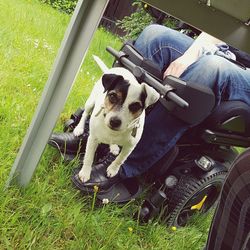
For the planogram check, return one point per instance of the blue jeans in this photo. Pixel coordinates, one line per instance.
(162, 130)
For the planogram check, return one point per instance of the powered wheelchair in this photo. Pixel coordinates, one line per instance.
(188, 179)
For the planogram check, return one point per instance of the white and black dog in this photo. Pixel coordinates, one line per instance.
(116, 107)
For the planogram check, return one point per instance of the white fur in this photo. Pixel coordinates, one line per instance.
(101, 64)
(100, 132)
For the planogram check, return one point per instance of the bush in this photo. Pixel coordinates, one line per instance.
(67, 6)
(137, 21)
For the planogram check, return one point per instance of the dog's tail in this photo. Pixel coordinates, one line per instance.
(101, 64)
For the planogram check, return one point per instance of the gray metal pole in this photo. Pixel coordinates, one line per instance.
(68, 61)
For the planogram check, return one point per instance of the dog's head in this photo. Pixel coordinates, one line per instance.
(125, 100)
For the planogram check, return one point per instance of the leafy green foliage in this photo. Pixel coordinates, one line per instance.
(134, 24)
(67, 6)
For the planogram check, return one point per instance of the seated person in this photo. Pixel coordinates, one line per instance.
(200, 61)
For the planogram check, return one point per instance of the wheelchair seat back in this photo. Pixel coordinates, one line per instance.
(229, 124)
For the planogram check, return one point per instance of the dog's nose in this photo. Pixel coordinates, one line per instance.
(115, 122)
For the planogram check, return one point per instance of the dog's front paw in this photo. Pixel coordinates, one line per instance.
(78, 131)
(114, 149)
(84, 176)
(112, 171)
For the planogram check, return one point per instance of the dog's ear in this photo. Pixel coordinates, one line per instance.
(152, 96)
(109, 81)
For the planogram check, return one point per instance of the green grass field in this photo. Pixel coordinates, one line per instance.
(50, 213)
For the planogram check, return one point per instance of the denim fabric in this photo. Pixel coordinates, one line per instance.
(162, 129)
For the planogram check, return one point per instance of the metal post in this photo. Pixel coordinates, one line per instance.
(68, 61)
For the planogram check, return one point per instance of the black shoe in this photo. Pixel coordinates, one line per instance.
(68, 144)
(98, 177)
(114, 189)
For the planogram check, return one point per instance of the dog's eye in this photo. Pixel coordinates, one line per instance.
(113, 98)
(134, 107)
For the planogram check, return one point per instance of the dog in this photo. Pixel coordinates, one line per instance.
(116, 107)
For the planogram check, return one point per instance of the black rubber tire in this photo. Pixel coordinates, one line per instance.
(184, 193)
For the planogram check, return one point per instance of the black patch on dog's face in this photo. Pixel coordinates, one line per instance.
(111, 81)
(117, 89)
(135, 107)
(143, 97)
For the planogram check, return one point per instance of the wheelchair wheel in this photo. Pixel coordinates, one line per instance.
(192, 195)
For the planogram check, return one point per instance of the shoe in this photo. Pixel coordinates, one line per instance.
(69, 144)
(98, 176)
(114, 189)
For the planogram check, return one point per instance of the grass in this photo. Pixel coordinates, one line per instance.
(50, 213)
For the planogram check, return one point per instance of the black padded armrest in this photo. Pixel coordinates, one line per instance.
(134, 55)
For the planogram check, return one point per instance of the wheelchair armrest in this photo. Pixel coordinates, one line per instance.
(134, 56)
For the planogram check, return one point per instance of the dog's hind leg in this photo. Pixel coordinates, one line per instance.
(91, 147)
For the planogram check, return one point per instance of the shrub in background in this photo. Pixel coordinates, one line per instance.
(137, 21)
(67, 6)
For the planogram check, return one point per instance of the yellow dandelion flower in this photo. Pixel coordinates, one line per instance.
(130, 229)
(96, 188)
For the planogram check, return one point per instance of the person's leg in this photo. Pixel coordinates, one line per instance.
(227, 80)
(162, 45)
(162, 130)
